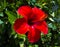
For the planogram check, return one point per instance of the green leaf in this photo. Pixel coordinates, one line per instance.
(11, 16)
(36, 45)
(1, 22)
(5, 3)
(50, 25)
(53, 26)
(1, 14)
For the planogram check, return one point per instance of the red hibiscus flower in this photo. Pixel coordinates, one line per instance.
(32, 23)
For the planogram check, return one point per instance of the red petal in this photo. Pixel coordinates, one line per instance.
(20, 26)
(42, 26)
(25, 11)
(39, 15)
(33, 35)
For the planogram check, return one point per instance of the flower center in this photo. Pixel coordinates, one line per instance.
(30, 22)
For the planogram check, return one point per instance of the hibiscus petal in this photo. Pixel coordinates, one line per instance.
(25, 11)
(20, 26)
(39, 15)
(42, 26)
(33, 35)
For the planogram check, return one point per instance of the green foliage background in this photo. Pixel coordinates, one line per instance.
(8, 14)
